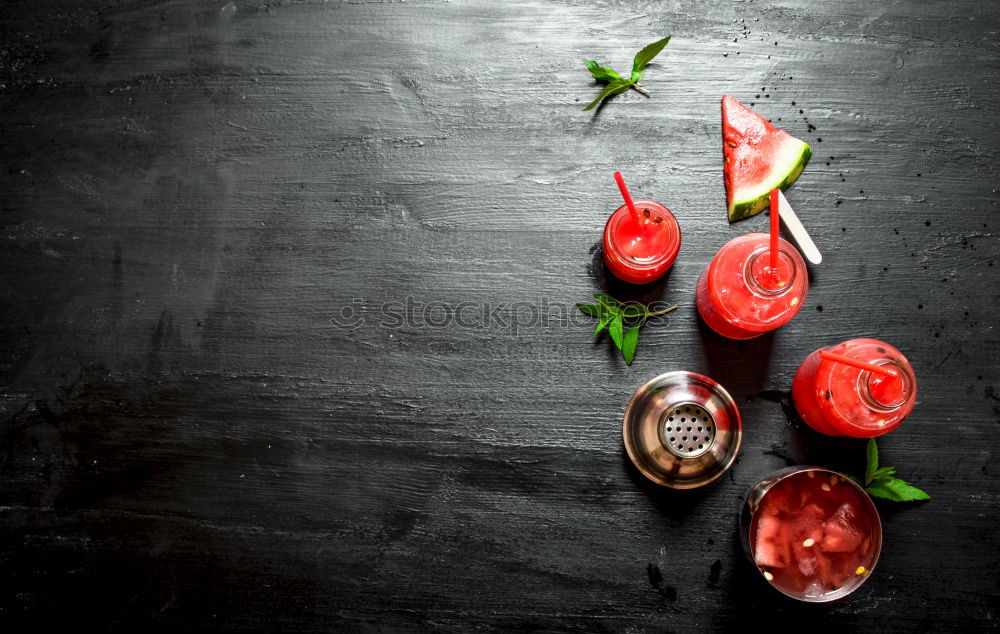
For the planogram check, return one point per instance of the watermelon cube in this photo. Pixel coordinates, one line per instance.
(768, 548)
(842, 533)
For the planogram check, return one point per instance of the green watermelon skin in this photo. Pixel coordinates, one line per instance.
(757, 158)
(744, 209)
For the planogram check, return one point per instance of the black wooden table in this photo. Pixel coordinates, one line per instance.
(289, 340)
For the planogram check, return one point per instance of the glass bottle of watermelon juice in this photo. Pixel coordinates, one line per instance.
(640, 253)
(741, 296)
(838, 399)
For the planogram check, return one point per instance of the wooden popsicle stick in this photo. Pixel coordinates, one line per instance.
(799, 233)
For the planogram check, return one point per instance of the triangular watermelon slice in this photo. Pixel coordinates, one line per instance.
(758, 158)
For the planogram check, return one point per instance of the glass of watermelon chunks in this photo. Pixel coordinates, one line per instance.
(813, 534)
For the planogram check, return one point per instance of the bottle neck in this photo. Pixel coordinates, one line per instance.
(766, 280)
(886, 393)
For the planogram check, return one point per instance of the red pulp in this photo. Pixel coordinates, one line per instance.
(886, 389)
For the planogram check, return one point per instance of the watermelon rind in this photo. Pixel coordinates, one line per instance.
(788, 163)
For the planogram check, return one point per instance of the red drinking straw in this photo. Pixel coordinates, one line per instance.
(871, 367)
(628, 201)
(775, 230)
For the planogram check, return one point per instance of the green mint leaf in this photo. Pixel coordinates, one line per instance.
(615, 329)
(591, 309)
(600, 73)
(613, 88)
(881, 474)
(605, 320)
(607, 300)
(645, 56)
(609, 311)
(872, 460)
(629, 342)
(896, 490)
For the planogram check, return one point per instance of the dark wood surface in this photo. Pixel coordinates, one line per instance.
(193, 192)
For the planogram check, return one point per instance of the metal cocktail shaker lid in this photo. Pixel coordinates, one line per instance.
(682, 430)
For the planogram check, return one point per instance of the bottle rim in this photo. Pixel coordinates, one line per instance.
(865, 378)
(755, 285)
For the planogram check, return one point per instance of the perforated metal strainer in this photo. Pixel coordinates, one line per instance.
(689, 430)
(682, 430)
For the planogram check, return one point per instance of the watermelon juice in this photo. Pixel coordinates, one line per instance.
(640, 253)
(814, 535)
(837, 399)
(739, 294)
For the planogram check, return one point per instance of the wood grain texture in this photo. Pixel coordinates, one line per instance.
(195, 192)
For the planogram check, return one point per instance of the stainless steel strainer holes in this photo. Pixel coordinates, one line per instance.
(682, 430)
(688, 430)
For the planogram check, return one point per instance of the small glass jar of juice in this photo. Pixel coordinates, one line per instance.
(641, 252)
(812, 533)
(838, 399)
(741, 296)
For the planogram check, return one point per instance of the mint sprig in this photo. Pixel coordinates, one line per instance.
(622, 319)
(879, 481)
(618, 84)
